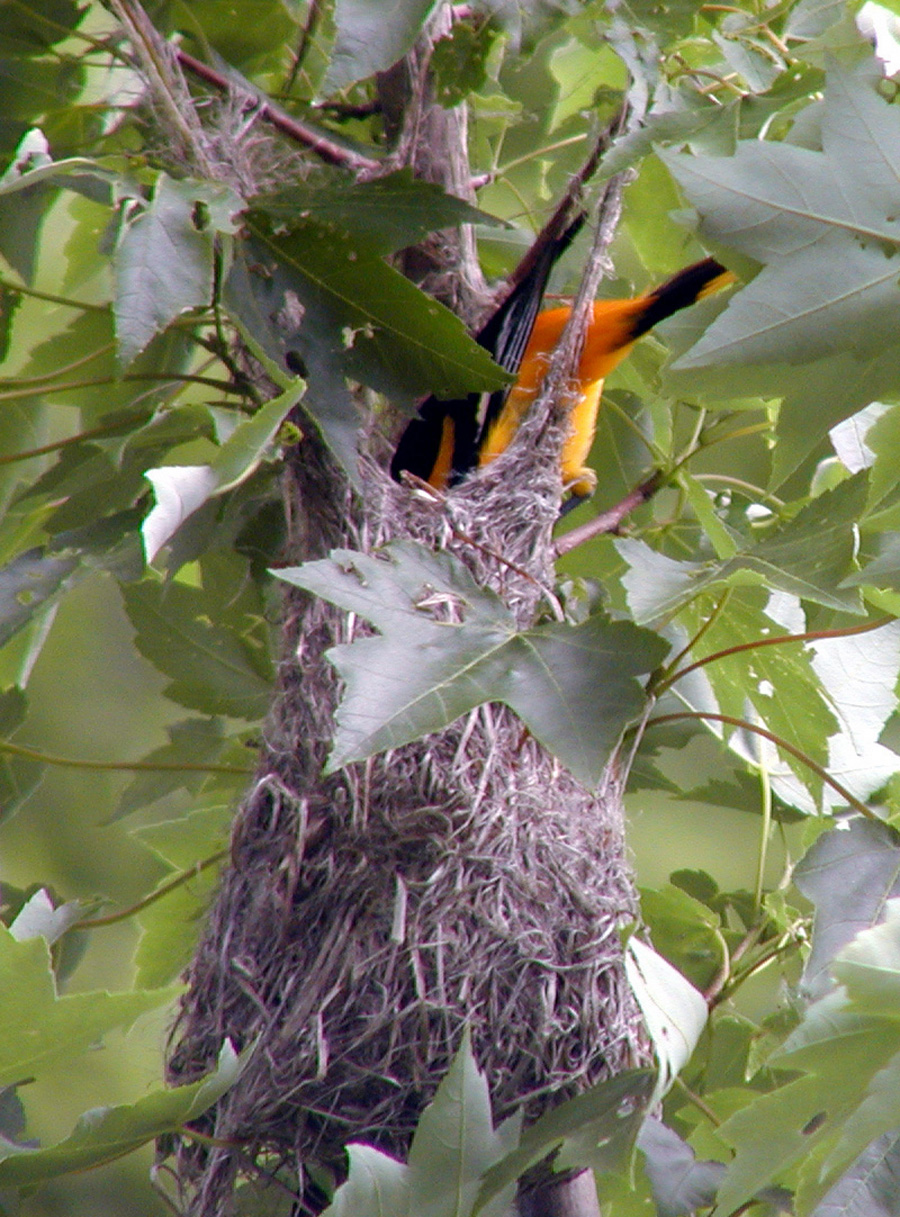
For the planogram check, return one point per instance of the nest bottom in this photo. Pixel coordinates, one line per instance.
(366, 921)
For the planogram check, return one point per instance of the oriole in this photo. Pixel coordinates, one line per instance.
(447, 439)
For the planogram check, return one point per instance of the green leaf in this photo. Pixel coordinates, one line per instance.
(780, 682)
(848, 874)
(680, 1183)
(181, 489)
(107, 1133)
(455, 1143)
(674, 1011)
(807, 556)
(33, 29)
(164, 263)
(368, 319)
(193, 743)
(574, 687)
(43, 1029)
(596, 1129)
(171, 924)
(848, 1049)
(460, 60)
(823, 224)
(389, 212)
(371, 37)
(30, 582)
(248, 30)
(685, 932)
(215, 656)
(376, 1186)
(870, 1187)
(19, 775)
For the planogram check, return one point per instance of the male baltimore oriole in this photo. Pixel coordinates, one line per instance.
(447, 439)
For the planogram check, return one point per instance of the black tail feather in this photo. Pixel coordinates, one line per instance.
(677, 293)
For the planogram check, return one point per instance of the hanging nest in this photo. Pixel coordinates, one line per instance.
(368, 917)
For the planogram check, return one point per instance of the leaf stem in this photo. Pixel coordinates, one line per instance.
(92, 433)
(185, 876)
(6, 285)
(783, 744)
(48, 385)
(71, 762)
(757, 644)
(666, 678)
(765, 829)
(695, 1099)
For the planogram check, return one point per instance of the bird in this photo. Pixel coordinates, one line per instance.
(440, 443)
(446, 441)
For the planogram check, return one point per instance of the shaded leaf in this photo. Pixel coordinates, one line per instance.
(390, 212)
(371, 37)
(164, 266)
(848, 874)
(368, 319)
(28, 583)
(216, 658)
(871, 1186)
(848, 1051)
(680, 1183)
(171, 924)
(806, 557)
(684, 931)
(575, 687)
(193, 743)
(596, 1130)
(19, 775)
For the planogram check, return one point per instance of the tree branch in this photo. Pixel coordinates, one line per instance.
(326, 149)
(611, 519)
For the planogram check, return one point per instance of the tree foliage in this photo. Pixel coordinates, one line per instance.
(746, 614)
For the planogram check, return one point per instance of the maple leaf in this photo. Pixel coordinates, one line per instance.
(825, 225)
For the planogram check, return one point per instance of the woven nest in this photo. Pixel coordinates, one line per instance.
(368, 917)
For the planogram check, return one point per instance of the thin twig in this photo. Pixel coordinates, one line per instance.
(326, 149)
(572, 201)
(610, 521)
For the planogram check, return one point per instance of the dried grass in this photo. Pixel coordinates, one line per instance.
(368, 917)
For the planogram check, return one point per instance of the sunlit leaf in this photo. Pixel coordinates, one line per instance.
(674, 1011)
(44, 1029)
(106, 1133)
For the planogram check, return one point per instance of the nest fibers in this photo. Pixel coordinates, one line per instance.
(368, 917)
